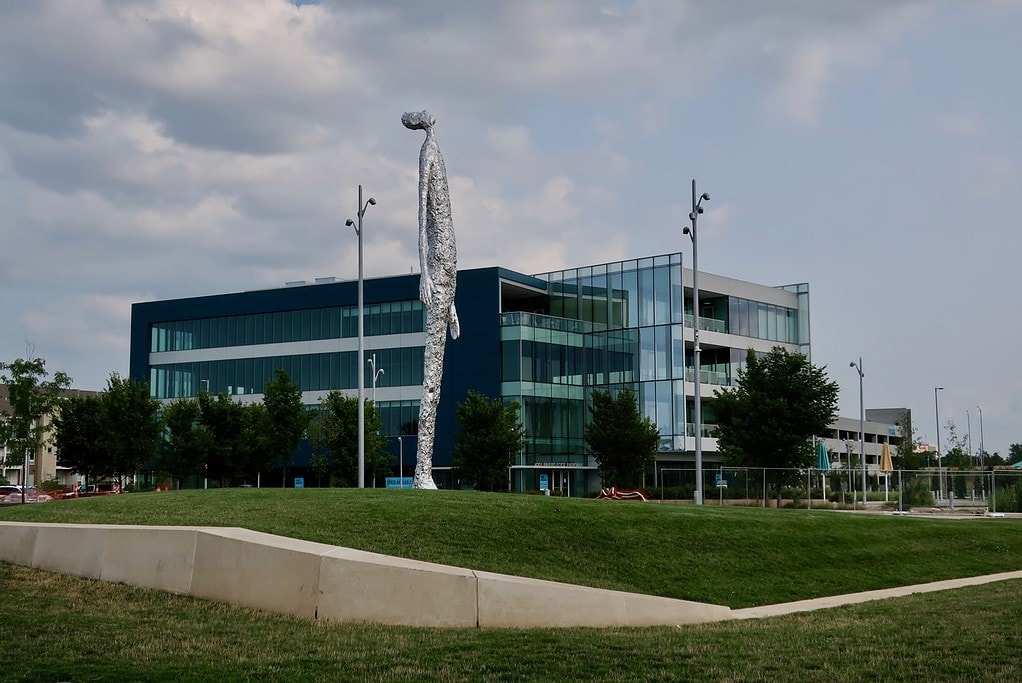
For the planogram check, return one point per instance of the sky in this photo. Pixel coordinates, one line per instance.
(157, 149)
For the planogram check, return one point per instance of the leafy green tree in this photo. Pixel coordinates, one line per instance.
(78, 436)
(768, 419)
(286, 418)
(336, 433)
(188, 442)
(31, 397)
(226, 422)
(132, 429)
(490, 437)
(1014, 453)
(624, 443)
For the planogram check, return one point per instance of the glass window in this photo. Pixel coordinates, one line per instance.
(647, 354)
(664, 408)
(661, 296)
(677, 296)
(630, 280)
(646, 297)
(662, 339)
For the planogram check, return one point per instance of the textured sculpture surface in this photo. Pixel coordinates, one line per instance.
(438, 262)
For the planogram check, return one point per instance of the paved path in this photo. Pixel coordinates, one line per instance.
(866, 596)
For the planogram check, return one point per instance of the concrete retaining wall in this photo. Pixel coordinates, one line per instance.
(314, 580)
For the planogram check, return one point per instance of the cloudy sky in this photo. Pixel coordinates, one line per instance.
(872, 148)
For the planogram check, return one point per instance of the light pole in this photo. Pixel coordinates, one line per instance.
(968, 424)
(205, 465)
(862, 428)
(940, 471)
(361, 342)
(400, 461)
(697, 209)
(982, 453)
(376, 375)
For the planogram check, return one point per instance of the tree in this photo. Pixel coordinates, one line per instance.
(225, 421)
(490, 437)
(336, 432)
(768, 419)
(188, 442)
(78, 436)
(286, 418)
(132, 429)
(31, 397)
(1014, 453)
(624, 443)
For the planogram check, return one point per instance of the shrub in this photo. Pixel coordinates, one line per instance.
(917, 492)
(51, 485)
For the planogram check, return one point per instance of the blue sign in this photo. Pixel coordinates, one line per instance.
(544, 482)
(299, 482)
(400, 482)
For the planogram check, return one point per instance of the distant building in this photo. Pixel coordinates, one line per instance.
(545, 340)
(44, 463)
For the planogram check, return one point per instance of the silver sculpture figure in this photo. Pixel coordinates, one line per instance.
(438, 261)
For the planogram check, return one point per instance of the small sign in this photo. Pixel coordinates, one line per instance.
(544, 482)
(721, 481)
(299, 482)
(400, 482)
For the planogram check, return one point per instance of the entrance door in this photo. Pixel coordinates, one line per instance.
(562, 482)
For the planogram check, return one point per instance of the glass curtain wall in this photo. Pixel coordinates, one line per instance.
(636, 312)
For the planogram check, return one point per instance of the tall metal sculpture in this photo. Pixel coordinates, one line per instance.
(438, 261)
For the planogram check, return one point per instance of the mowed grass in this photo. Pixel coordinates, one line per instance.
(738, 557)
(63, 628)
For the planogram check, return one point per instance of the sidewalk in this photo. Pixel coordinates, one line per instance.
(866, 596)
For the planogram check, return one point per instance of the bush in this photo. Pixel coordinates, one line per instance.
(51, 485)
(917, 492)
(686, 492)
(1010, 499)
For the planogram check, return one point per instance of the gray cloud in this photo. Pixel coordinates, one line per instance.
(170, 148)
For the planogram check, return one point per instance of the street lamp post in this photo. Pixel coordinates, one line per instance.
(862, 428)
(982, 453)
(205, 466)
(400, 461)
(968, 426)
(940, 469)
(691, 232)
(376, 374)
(361, 342)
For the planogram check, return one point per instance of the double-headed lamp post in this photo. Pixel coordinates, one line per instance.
(361, 342)
(376, 374)
(862, 428)
(940, 468)
(697, 209)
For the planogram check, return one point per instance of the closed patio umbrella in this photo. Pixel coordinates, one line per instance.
(887, 467)
(823, 464)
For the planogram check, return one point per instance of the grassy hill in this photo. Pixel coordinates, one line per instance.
(732, 556)
(64, 628)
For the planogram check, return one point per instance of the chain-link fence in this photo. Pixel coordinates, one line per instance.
(998, 490)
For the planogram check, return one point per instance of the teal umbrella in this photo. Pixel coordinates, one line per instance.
(823, 464)
(822, 458)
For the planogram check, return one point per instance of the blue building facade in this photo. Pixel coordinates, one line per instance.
(546, 341)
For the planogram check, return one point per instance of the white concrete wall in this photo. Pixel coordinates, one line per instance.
(314, 580)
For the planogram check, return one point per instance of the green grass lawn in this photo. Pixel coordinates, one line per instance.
(64, 628)
(738, 557)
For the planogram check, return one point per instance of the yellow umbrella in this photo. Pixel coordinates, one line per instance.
(886, 466)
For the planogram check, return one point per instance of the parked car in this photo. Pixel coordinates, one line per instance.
(32, 495)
